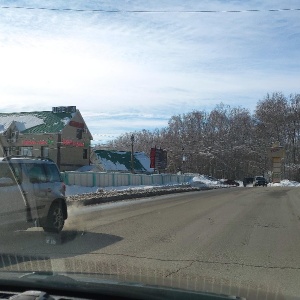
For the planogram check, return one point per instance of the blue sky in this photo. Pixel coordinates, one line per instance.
(128, 71)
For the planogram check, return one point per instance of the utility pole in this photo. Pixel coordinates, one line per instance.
(132, 165)
(183, 161)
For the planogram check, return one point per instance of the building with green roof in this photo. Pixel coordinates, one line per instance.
(60, 134)
(120, 161)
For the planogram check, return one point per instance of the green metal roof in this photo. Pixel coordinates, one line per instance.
(51, 122)
(119, 161)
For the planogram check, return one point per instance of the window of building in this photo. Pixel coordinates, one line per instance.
(85, 154)
(45, 151)
(7, 151)
(26, 151)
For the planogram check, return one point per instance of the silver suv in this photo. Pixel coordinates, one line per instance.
(32, 192)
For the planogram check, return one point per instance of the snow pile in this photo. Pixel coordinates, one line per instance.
(104, 196)
(80, 195)
(206, 181)
(241, 184)
(72, 190)
(285, 182)
(199, 182)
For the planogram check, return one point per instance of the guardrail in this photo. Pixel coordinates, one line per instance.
(102, 179)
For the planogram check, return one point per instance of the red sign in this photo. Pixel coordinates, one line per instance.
(158, 159)
(43, 143)
(33, 142)
(72, 143)
(152, 157)
(76, 124)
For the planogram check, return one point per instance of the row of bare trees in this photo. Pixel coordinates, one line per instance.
(228, 142)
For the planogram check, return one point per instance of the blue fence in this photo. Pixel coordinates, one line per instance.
(101, 179)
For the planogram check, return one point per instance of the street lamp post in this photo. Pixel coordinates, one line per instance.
(132, 165)
(183, 160)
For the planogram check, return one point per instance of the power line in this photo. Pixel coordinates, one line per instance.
(148, 11)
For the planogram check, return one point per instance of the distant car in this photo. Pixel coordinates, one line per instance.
(248, 180)
(230, 182)
(260, 181)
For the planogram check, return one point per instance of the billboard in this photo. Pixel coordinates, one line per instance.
(158, 159)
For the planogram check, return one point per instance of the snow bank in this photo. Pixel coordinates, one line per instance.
(93, 195)
(206, 181)
(285, 182)
(76, 189)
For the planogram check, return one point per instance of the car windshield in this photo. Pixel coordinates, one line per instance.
(148, 145)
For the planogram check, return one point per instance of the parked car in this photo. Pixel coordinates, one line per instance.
(260, 181)
(32, 192)
(247, 180)
(230, 182)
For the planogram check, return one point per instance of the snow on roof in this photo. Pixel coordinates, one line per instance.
(66, 120)
(144, 160)
(22, 122)
(121, 161)
(35, 122)
(113, 166)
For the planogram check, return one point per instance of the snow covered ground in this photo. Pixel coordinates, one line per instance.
(200, 181)
(285, 182)
(76, 189)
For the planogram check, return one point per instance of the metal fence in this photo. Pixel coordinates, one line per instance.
(102, 179)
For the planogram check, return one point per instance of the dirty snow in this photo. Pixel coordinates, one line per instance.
(197, 181)
(201, 181)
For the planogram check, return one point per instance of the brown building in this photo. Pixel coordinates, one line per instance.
(60, 134)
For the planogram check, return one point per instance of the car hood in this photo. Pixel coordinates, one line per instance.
(98, 285)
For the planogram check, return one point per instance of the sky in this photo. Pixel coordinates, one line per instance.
(129, 65)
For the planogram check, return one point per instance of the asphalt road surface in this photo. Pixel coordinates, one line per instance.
(237, 241)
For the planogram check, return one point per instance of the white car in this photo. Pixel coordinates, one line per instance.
(32, 193)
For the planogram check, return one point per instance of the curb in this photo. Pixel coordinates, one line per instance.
(136, 195)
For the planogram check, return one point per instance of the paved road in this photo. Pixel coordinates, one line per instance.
(241, 241)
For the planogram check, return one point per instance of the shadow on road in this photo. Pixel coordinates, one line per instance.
(34, 249)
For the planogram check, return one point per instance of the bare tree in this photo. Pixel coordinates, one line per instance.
(227, 141)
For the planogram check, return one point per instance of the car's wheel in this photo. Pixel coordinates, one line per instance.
(55, 219)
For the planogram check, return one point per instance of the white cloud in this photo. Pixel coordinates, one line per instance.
(156, 64)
